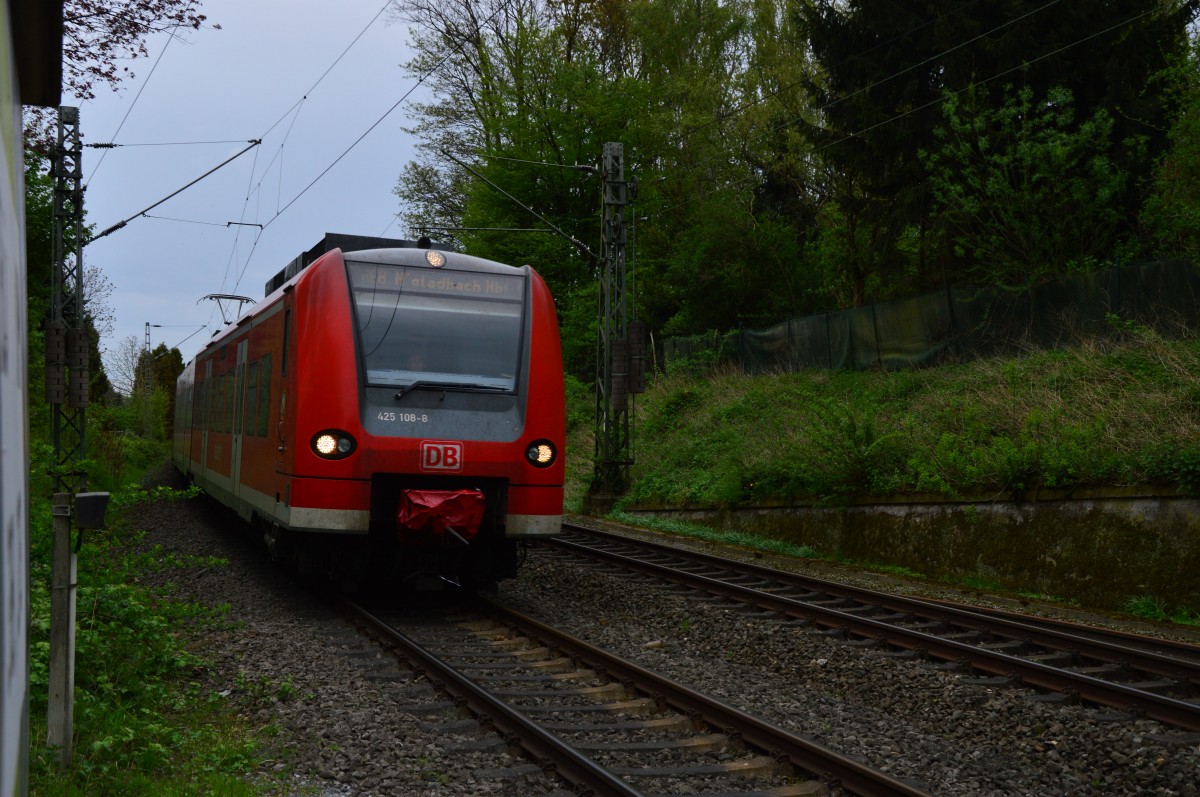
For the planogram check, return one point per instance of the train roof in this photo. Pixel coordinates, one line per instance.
(347, 243)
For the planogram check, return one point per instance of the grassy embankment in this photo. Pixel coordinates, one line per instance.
(146, 719)
(1119, 412)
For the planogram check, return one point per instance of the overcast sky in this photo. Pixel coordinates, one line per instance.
(247, 80)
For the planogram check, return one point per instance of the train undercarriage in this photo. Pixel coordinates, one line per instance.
(426, 534)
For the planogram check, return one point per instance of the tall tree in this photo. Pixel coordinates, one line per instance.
(697, 92)
(99, 36)
(124, 365)
(1171, 215)
(888, 64)
(509, 141)
(1025, 191)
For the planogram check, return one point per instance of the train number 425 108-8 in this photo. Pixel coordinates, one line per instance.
(404, 417)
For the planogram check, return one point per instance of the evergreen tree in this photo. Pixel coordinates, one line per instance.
(887, 66)
(1171, 215)
(1025, 192)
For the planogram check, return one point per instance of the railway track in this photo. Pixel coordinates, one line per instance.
(1157, 679)
(604, 725)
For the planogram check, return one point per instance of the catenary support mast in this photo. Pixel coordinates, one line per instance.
(618, 363)
(67, 393)
(66, 333)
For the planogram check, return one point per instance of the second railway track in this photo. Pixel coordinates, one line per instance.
(1146, 677)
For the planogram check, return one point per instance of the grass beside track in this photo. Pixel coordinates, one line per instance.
(1116, 412)
(147, 719)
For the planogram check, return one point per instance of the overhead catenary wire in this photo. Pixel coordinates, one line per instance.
(146, 82)
(294, 112)
(294, 108)
(417, 84)
(578, 244)
(329, 69)
(681, 138)
(182, 221)
(253, 143)
(113, 145)
(194, 334)
(868, 87)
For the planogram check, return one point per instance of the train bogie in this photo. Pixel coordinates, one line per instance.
(394, 409)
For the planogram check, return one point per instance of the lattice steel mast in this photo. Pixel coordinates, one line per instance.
(619, 360)
(66, 332)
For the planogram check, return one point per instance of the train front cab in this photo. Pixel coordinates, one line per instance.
(451, 448)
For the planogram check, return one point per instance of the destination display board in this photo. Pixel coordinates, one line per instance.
(443, 282)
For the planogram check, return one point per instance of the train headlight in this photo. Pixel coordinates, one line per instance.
(332, 444)
(435, 258)
(541, 453)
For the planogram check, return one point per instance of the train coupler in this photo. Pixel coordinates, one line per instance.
(453, 516)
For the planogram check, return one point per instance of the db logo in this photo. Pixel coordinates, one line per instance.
(441, 455)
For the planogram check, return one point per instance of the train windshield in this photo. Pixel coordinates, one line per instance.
(452, 329)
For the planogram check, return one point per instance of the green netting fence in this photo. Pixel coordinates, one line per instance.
(957, 324)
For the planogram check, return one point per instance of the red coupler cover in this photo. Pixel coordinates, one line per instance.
(438, 511)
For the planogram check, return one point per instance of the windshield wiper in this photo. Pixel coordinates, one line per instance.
(467, 386)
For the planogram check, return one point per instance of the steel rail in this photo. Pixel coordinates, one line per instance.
(1170, 711)
(541, 745)
(1108, 646)
(1188, 652)
(805, 755)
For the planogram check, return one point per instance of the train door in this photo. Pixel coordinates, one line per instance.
(204, 417)
(239, 401)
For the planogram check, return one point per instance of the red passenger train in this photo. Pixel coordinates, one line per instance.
(390, 412)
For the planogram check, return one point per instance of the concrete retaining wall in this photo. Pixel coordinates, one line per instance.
(1099, 551)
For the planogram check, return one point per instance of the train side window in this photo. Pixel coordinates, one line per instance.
(264, 397)
(252, 397)
(214, 404)
(239, 398)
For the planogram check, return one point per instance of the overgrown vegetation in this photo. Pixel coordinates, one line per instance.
(1106, 413)
(1148, 607)
(147, 720)
(709, 534)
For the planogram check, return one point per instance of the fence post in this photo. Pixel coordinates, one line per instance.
(1117, 305)
(828, 341)
(875, 332)
(741, 349)
(954, 342)
(791, 348)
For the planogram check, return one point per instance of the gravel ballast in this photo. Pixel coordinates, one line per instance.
(352, 723)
